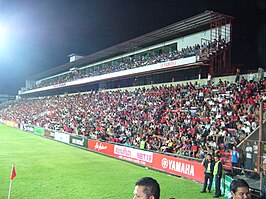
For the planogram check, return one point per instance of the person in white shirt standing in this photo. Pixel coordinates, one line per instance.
(248, 162)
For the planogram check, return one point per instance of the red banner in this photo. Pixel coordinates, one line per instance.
(179, 166)
(226, 160)
(101, 147)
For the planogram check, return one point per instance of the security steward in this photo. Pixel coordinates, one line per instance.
(208, 165)
(217, 173)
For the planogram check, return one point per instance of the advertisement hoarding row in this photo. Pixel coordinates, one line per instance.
(177, 166)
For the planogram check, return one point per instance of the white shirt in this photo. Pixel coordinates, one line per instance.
(249, 152)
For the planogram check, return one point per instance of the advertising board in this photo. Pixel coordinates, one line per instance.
(49, 133)
(39, 131)
(28, 127)
(12, 124)
(225, 186)
(79, 141)
(62, 137)
(133, 155)
(101, 147)
(179, 166)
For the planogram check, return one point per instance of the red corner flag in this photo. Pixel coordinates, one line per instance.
(12, 176)
(13, 173)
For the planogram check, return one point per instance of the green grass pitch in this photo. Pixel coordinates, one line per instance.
(49, 169)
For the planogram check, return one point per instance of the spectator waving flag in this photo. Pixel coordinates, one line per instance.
(13, 173)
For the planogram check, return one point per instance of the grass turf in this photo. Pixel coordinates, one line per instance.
(49, 169)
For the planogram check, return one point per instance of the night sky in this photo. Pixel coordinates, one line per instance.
(39, 34)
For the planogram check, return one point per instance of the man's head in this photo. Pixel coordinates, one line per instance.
(147, 188)
(209, 157)
(216, 157)
(240, 189)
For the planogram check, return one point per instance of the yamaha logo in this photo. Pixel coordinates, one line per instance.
(164, 163)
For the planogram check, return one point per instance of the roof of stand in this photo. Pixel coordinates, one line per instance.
(178, 29)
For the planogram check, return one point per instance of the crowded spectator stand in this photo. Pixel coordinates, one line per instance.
(185, 119)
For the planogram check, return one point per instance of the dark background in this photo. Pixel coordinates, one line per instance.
(43, 32)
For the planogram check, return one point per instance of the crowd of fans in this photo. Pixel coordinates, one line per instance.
(128, 63)
(187, 119)
(203, 52)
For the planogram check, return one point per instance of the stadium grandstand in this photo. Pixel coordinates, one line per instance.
(171, 91)
(181, 51)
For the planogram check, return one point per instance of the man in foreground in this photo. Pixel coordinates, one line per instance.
(147, 188)
(240, 189)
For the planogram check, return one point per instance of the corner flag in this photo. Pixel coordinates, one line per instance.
(13, 173)
(12, 176)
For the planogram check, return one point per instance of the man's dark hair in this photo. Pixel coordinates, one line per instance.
(151, 187)
(238, 183)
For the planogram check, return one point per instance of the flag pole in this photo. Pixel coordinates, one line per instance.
(10, 186)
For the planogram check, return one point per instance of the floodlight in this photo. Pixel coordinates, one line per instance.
(3, 34)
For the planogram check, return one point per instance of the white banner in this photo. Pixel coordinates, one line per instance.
(134, 71)
(137, 154)
(62, 137)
